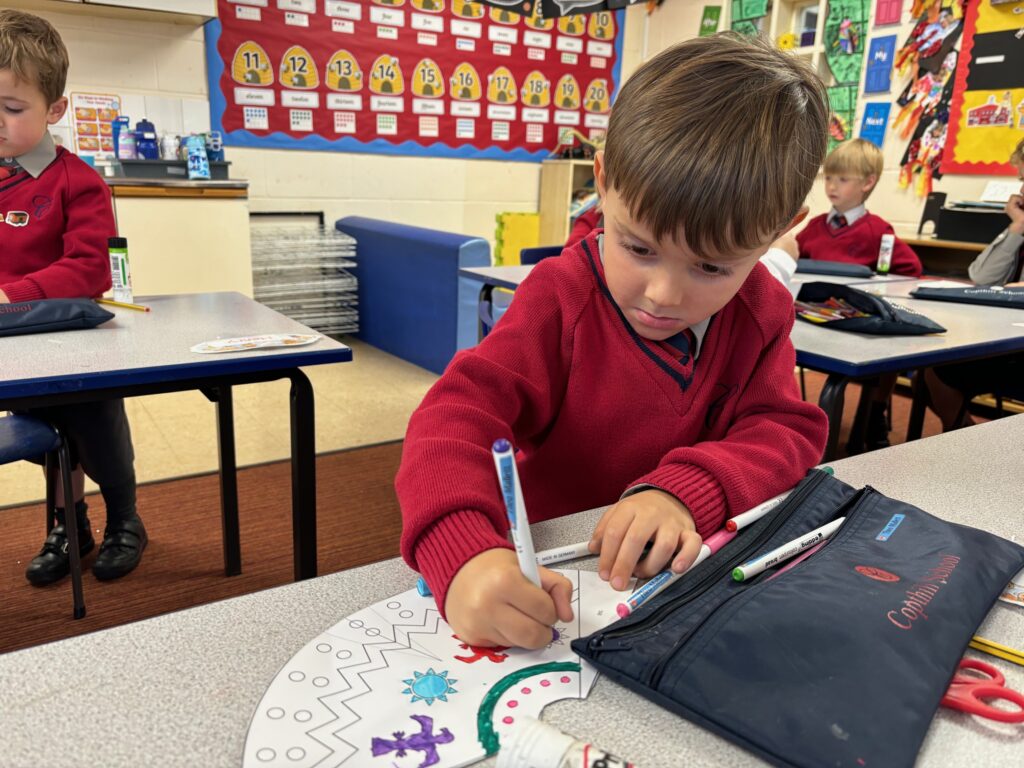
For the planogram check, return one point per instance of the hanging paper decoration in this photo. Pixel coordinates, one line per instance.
(553, 9)
(924, 95)
(987, 105)
(923, 113)
(709, 20)
(933, 36)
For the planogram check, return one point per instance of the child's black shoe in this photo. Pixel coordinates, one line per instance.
(121, 550)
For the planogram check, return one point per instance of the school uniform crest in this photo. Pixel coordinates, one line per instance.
(16, 218)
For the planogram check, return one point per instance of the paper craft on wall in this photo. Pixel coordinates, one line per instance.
(888, 12)
(447, 78)
(709, 20)
(876, 117)
(390, 685)
(842, 101)
(845, 32)
(746, 16)
(878, 78)
(987, 104)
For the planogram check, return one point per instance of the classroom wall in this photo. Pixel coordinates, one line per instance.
(678, 20)
(158, 65)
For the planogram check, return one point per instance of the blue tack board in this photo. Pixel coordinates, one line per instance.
(880, 60)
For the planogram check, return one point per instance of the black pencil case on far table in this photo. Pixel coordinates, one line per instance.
(990, 297)
(45, 315)
(842, 660)
(883, 318)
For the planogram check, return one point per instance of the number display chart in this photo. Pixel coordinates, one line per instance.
(447, 78)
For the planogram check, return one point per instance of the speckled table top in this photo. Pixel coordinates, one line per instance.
(180, 689)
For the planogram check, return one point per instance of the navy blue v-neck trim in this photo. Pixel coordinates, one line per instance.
(679, 378)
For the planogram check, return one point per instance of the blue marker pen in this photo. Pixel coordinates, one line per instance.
(508, 477)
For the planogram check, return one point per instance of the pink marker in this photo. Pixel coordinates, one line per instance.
(656, 584)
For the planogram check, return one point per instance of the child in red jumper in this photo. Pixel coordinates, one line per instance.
(55, 219)
(649, 367)
(849, 233)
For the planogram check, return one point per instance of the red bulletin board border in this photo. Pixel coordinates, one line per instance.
(956, 104)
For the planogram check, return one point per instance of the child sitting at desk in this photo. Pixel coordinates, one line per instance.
(649, 367)
(59, 250)
(850, 233)
(952, 387)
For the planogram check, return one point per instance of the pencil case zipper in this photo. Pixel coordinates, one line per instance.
(848, 508)
(710, 576)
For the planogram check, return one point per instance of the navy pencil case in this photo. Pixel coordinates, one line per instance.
(46, 315)
(841, 660)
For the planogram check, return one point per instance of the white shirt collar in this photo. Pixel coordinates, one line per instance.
(851, 215)
(698, 330)
(37, 159)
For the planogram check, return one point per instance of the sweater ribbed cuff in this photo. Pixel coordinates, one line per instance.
(22, 290)
(696, 488)
(451, 542)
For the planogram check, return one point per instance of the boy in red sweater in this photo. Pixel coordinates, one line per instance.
(649, 367)
(55, 218)
(848, 232)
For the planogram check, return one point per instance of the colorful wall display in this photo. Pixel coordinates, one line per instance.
(447, 78)
(878, 78)
(876, 118)
(987, 105)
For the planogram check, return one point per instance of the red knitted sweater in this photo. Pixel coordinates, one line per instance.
(594, 410)
(54, 232)
(857, 243)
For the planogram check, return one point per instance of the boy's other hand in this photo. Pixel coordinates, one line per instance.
(3, 298)
(1015, 210)
(624, 530)
(491, 602)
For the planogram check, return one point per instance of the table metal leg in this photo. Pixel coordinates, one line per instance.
(919, 390)
(228, 480)
(831, 402)
(303, 476)
(71, 530)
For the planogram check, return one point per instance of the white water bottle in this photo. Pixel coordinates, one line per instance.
(533, 744)
(885, 254)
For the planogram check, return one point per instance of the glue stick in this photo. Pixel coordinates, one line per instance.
(120, 273)
(885, 254)
(533, 744)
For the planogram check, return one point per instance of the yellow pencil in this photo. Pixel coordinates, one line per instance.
(123, 305)
(995, 649)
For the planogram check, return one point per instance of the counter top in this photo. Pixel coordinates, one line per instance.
(122, 186)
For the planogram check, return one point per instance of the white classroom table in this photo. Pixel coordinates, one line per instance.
(180, 689)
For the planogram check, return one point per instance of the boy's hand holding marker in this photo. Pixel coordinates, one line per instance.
(491, 602)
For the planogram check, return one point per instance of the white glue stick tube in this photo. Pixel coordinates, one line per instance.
(533, 744)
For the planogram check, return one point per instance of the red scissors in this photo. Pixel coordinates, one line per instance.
(972, 692)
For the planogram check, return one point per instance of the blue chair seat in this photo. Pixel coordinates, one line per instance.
(25, 437)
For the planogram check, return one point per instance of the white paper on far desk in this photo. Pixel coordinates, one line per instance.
(999, 191)
(391, 685)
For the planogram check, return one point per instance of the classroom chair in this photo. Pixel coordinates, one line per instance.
(25, 437)
(534, 255)
(490, 309)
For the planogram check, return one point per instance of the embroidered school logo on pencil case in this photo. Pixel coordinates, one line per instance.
(876, 573)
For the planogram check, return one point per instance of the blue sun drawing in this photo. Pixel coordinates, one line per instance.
(429, 686)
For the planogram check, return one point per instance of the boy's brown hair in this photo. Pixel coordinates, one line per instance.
(857, 157)
(1017, 156)
(720, 137)
(32, 49)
